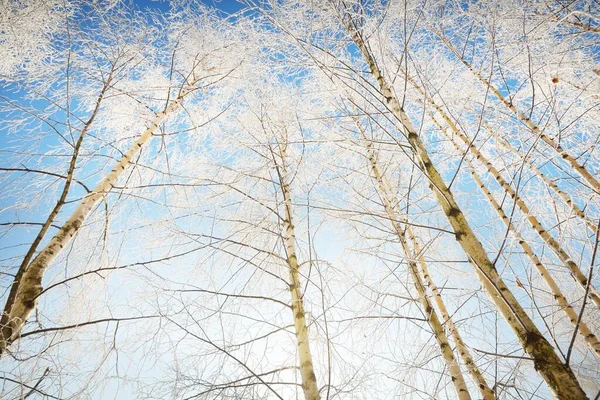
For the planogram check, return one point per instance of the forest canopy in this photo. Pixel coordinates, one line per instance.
(336, 199)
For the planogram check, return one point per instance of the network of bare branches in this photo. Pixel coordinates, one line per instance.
(337, 199)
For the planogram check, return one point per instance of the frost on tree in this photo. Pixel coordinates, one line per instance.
(317, 200)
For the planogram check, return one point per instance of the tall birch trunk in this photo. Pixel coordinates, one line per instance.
(59, 204)
(309, 379)
(582, 328)
(576, 272)
(432, 318)
(29, 287)
(558, 376)
(572, 161)
(486, 392)
(564, 196)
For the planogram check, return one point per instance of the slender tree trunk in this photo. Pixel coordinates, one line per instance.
(309, 379)
(572, 161)
(29, 287)
(576, 272)
(583, 329)
(558, 375)
(432, 318)
(564, 196)
(486, 392)
(59, 204)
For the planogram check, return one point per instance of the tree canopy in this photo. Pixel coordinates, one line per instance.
(286, 199)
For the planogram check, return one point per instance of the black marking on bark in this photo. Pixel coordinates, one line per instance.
(29, 304)
(454, 212)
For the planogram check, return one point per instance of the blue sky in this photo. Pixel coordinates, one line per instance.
(24, 235)
(227, 6)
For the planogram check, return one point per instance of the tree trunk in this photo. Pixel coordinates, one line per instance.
(309, 379)
(576, 272)
(56, 209)
(564, 196)
(486, 392)
(572, 161)
(581, 326)
(558, 376)
(432, 318)
(29, 287)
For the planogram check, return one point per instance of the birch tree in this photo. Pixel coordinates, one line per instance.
(189, 209)
(558, 375)
(102, 81)
(434, 321)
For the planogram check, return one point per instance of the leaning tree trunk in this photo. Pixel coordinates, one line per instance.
(29, 287)
(432, 318)
(583, 329)
(576, 272)
(486, 392)
(558, 375)
(572, 161)
(561, 193)
(309, 379)
(55, 210)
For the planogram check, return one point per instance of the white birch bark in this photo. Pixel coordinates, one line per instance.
(590, 338)
(572, 161)
(564, 196)
(309, 379)
(59, 204)
(486, 392)
(558, 376)
(576, 272)
(30, 284)
(432, 318)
